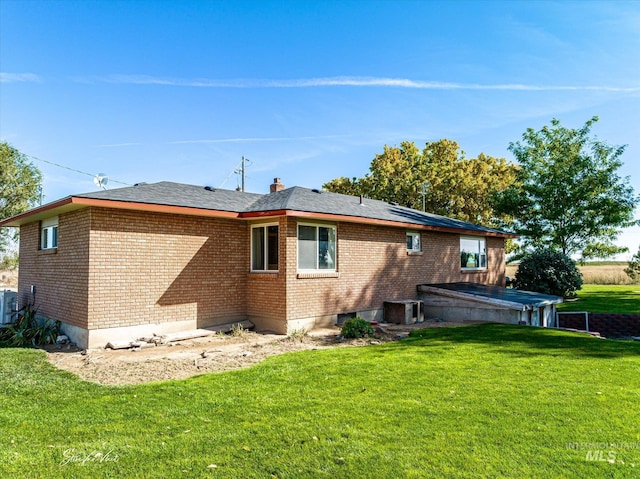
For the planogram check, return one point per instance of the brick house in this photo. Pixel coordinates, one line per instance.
(168, 257)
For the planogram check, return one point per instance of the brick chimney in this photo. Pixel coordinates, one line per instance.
(276, 186)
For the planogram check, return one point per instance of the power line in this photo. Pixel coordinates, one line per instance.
(239, 169)
(229, 176)
(72, 169)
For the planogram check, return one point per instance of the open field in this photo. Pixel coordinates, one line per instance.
(472, 402)
(595, 273)
(606, 289)
(9, 280)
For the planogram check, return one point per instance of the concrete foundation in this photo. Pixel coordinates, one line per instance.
(457, 312)
(98, 338)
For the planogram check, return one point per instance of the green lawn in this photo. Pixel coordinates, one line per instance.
(597, 298)
(484, 401)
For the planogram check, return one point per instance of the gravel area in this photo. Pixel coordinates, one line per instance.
(217, 353)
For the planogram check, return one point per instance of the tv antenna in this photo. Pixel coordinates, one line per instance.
(423, 192)
(101, 180)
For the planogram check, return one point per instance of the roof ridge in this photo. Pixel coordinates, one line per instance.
(293, 192)
(286, 194)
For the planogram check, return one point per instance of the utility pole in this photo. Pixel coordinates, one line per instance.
(243, 166)
(241, 170)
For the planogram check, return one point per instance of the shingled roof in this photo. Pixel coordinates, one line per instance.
(296, 201)
(315, 201)
(178, 194)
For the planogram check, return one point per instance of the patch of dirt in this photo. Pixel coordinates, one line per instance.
(184, 359)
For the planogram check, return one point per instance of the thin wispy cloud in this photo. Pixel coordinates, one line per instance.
(19, 78)
(256, 139)
(342, 81)
(117, 145)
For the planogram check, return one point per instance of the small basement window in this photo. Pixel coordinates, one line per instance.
(49, 233)
(414, 244)
(473, 252)
(344, 316)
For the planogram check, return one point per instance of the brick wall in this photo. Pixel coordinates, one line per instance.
(59, 275)
(154, 268)
(266, 292)
(374, 266)
(608, 325)
(116, 268)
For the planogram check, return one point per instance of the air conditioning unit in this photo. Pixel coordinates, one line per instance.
(8, 303)
(404, 312)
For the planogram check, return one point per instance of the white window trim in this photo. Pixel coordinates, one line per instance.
(476, 238)
(266, 248)
(335, 260)
(50, 227)
(413, 234)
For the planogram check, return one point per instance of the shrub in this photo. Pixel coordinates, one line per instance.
(298, 334)
(633, 270)
(28, 330)
(238, 330)
(549, 272)
(356, 328)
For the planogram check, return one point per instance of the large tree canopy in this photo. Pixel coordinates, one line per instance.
(454, 186)
(20, 184)
(569, 195)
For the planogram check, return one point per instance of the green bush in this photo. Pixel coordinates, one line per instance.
(633, 270)
(356, 328)
(549, 272)
(9, 262)
(29, 330)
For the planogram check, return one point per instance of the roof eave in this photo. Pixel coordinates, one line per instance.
(72, 203)
(40, 212)
(155, 207)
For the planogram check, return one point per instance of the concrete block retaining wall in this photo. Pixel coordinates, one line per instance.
(607, 324)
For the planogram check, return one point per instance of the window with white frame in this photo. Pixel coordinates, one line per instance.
(49, 233)
(413, 242)
(264, 248)
(473, 252)
(316, 247)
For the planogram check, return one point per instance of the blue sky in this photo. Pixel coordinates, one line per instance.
(308, 91)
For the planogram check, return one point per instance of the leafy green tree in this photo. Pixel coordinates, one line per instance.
(20, 183)
(568, 194)
(454, 186)
(548, 271)
(633, 270)
(8, 260)
(396, 175)
(346, 186)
